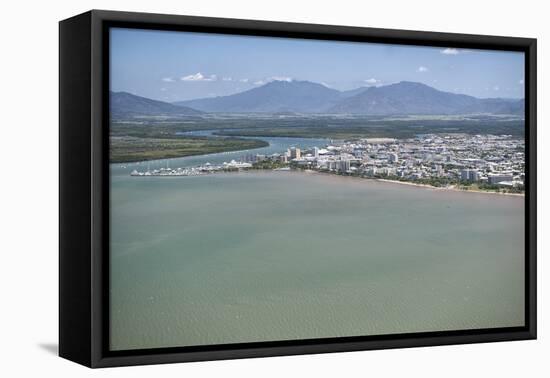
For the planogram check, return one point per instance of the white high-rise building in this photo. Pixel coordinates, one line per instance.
(295, 153)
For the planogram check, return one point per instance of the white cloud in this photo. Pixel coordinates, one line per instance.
(269, 80)
(450, 51)
(422, 69)
(168, 79)
(243, 80)
(372, 81)
(496, 88)
(280, 78)
(227, 78)
(199, 77)
(196, 77)
(163, 89)
(521, 82)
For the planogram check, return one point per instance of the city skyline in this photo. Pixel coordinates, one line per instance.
(175, 66)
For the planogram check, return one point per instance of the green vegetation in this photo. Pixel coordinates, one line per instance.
(381, 129)
(150, 140)
(441, 182)
(269, 164)
(490, 187)
(130, 149)
(312, 126)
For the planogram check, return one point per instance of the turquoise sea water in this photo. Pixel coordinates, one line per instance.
(243, 257)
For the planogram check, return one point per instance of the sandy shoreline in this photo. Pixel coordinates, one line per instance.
(408, 183)
(450, 188)
(387, 181)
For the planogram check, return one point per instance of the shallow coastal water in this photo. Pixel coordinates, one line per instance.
(255, 256)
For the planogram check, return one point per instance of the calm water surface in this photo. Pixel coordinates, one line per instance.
(243, 257)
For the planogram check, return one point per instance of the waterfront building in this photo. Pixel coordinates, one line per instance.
(497, 178)
(295, 153)
(469, 175)
(344, 166)
(438, 169)
(371, 171)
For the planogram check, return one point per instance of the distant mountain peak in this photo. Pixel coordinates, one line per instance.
(408, 97)
(125, 104)
(300, 96)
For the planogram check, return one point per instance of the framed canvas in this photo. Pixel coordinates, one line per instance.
(235, 188)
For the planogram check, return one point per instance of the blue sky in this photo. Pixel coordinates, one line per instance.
(172, 66)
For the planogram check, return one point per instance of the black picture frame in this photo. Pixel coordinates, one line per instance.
(84, 188)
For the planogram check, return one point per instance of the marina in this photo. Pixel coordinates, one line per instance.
(194, 171)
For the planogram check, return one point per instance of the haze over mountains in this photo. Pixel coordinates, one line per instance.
(404, 98)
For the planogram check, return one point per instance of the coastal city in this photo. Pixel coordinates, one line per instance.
(486, 162)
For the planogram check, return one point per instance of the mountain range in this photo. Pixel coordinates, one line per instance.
(124, 104)
(416, 98)
(403, 98)
(395, 99)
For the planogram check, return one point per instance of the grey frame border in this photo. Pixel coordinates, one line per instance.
(84, 206)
